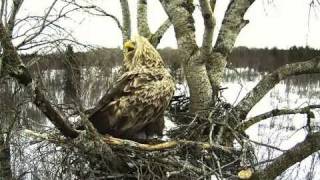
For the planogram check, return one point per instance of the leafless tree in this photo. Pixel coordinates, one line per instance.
(200, 148)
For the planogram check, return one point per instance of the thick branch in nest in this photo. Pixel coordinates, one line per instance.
(140, 146)
(164, 145)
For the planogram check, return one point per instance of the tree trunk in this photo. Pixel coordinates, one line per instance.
(199, 86)
(5, 166)
(180, 14)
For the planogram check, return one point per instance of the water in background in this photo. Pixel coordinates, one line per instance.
(282, 132)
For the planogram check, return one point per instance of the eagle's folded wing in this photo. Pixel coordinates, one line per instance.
(115, 91)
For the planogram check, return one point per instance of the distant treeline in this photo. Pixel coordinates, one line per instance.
(259, 59)
(269, 59)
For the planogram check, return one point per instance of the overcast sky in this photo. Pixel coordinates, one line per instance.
(281, 23)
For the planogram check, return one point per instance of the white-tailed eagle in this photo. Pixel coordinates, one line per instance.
(134, 107)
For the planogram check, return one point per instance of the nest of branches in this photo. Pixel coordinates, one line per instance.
(189, 152)
(183, 161)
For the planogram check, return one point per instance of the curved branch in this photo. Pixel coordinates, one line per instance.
(296, 154)
(142, 19)
(276, 112)
(270, 80)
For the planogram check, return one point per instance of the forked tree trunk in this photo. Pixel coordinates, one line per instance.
(180, 14)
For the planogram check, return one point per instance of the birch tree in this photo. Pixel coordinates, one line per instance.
(200, 149)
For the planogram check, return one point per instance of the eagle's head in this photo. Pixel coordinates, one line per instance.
(138, 52)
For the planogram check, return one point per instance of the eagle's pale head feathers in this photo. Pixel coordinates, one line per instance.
(140, 53)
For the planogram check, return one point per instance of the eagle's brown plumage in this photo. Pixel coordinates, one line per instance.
(136, 103)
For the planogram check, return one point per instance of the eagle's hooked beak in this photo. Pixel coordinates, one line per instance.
(129, 45)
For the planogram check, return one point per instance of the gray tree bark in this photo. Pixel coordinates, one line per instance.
(5, 165)
(232, 24)
(143, 25)
(180, 14)
(126, 21)
(296, 154)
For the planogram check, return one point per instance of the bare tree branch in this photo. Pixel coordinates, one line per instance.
(142, 18)
(14, 11)
(45, 23)
(296, 154)
(156, 37)
(17, 69)
(164, 145)
(3, 3)
(232, 24)
(180, 15)
(98, 12)
(276, 112)
(143, 26)
(126, 21)
(143, 147)
(54, 116)
(42, 27)
(209, 23)
(270, 80)
(125, 28)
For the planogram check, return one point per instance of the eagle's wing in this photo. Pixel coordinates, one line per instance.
(115, 91)
(128, 106)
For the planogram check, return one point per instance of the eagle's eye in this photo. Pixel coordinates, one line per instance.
(129, 45)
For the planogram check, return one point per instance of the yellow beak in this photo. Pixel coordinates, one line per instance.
(129, 45)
